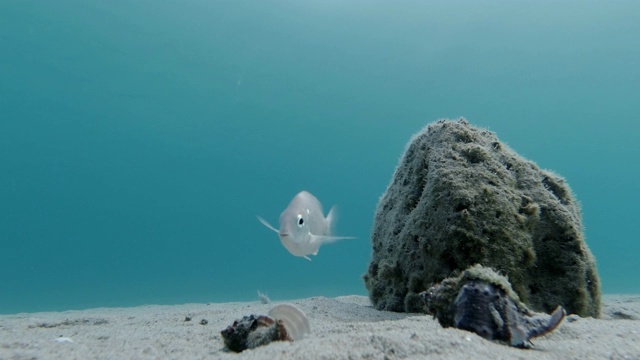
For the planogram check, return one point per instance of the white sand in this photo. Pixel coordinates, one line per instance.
(342, 328)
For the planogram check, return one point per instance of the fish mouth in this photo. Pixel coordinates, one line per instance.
(283, 234)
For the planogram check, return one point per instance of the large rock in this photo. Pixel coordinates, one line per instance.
(460, 197)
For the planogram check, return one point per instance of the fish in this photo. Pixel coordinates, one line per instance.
(303, 227)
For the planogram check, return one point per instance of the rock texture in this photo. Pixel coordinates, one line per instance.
(460, 197)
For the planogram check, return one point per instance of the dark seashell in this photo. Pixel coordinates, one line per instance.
(253, 331)
(486, 310)
(480, 308)
(285, 322)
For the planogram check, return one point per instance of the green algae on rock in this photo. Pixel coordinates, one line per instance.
(460, 197)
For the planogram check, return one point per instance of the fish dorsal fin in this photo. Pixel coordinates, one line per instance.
(331, 222)
(331, 219)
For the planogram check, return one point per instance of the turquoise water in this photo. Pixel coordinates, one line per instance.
(139, 139)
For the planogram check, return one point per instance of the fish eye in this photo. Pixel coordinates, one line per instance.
(300, 220)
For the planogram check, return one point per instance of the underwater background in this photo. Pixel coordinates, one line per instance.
(140, 139)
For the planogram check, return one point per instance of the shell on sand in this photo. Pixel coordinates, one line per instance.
(294, 320)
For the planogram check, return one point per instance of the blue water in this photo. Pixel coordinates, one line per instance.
(139, 139)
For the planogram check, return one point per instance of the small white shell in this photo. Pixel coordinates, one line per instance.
(62, 339)
(295, 321)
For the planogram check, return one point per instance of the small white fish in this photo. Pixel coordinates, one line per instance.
(303, 227)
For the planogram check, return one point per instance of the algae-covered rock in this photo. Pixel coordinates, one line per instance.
(460, 197)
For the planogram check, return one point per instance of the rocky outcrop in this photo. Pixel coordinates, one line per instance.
(460, 197)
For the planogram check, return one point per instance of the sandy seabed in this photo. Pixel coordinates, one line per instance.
(345, 327)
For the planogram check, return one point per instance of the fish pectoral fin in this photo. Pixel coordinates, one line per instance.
(265, 223)
(318, 240)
